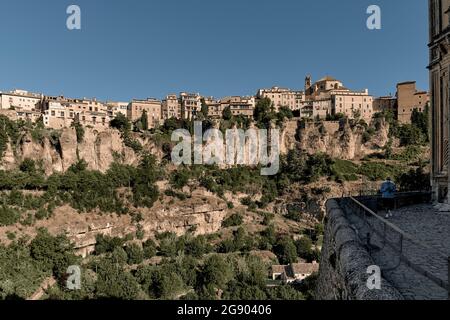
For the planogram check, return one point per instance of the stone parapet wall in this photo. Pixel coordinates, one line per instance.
(344, 263)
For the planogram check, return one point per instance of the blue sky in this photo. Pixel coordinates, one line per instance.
(149, 48)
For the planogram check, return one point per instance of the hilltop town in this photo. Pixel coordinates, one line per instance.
(325, 99)
(92, 184)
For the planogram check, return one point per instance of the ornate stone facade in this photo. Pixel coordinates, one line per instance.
(439, 67)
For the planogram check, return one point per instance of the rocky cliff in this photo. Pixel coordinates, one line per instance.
(337, 139)
(57, 154)
(201, 214)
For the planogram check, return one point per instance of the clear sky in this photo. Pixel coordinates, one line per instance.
(149, 48)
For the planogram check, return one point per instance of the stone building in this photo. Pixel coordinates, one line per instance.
(153, 108)
(116, 108)
(439, 68)
(23, 104)
(295, 272)
(21, 100)
(244, 106)
(61, 112)
(214, 107)
(191, 103)
(328, 96)
(387, 103)
(171, 107)
(409, 99)
(282, 97)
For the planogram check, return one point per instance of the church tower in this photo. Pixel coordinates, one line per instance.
(308, 85)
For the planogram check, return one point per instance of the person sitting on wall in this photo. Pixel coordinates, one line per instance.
(388, 190)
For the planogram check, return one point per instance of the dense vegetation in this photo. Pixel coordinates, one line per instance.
(191, 268)
(83, 189)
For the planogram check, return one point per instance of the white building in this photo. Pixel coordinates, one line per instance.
(21, 100)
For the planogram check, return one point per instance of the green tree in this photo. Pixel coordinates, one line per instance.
(113, 282)
(121, 123)
(304, 248)
(149, 249)
(134, 253)
(54, 253)
(215, 273)
(179, 179)
(28, 166)
(264, 112)
(233, 221)
(420, 120)
(227, 114)
(8, 216)
(144, 120)
(286, 250)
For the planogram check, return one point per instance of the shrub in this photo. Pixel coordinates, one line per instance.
(233, 221)
(79, 130)
(179, 179)
(414, 180)
(377, 171)
(286, 250)
(304, 248)
(149, 249)
(54, 253)
(121, 123)
(134, 253)
(344, 170)
(106, 244)
(8, 216)
(28, 166)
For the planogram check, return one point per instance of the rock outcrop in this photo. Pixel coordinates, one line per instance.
(99, 150)
(195, 215)
(337, 139)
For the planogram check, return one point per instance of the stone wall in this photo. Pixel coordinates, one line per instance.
(344, 262)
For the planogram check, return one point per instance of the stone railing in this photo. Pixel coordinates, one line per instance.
(344, 263)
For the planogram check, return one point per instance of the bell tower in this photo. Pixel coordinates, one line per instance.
(308, 84)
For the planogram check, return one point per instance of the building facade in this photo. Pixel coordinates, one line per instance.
(116, 108)
(239, 106)
(171, 107)
(439, 68)
(352, 104)
(214, 107)
(191, 103)
(387, 103)
(60, 112)
(409, 99)
(329, 97)
(282, 97)
(151, 106)
(21, 100)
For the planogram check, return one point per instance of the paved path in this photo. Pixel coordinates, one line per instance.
(428, 226)
(45, 285)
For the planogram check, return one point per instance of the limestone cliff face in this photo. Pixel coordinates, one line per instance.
(179, 218)
(338, 140)
(99, 150)
(200, 215)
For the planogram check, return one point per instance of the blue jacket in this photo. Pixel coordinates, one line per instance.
(388, 189)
